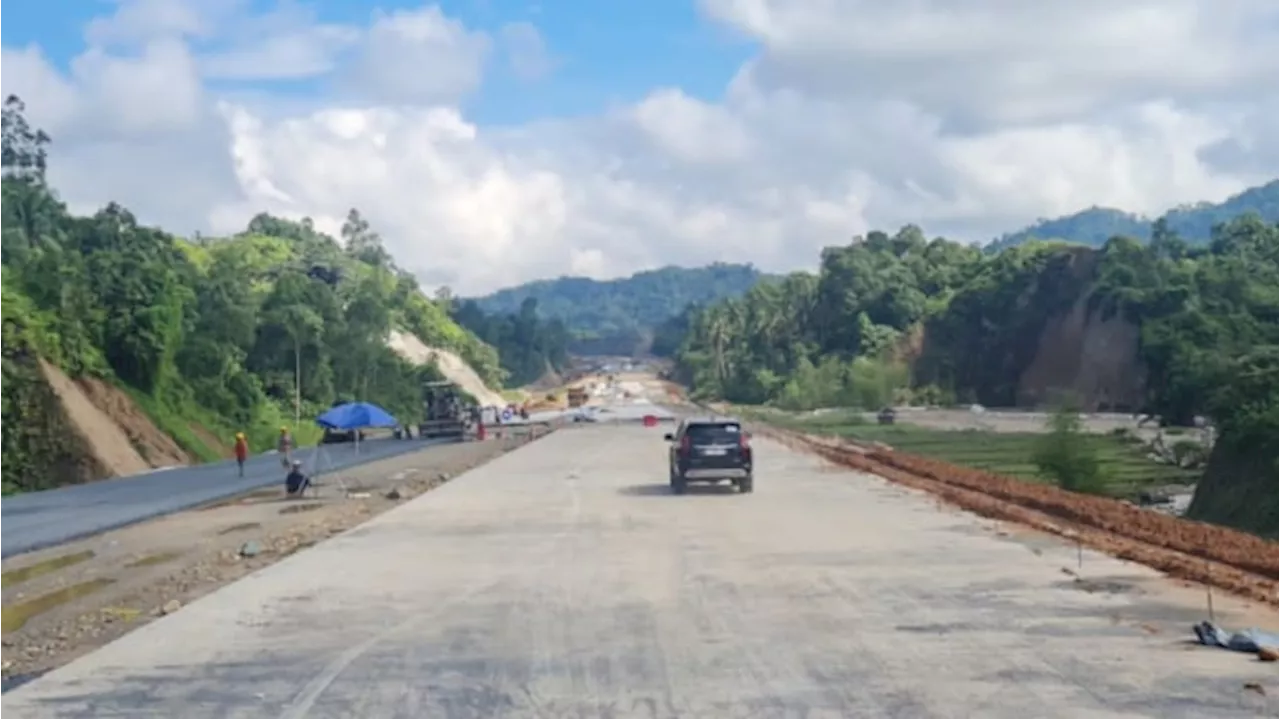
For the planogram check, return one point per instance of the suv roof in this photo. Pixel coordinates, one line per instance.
(712, 420)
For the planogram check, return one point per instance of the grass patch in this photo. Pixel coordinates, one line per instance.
(15, 616)
(1124, 464)
(154, 559)
(18, 576)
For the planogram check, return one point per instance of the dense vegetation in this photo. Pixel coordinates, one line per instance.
(1193, 223)
(206, 333)
(904, 318)
(529, 346)
(619, 316)
(835, 337)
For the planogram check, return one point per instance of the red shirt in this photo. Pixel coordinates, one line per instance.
(242, 449)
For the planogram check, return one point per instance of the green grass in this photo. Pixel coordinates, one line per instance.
(1124, 465)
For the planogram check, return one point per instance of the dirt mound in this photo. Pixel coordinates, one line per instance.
(106, 442)
(1213, 555)
(156, 447)
(454, 368)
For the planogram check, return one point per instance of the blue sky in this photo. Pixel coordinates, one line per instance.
(604, 54)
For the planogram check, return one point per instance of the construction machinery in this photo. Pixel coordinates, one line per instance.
(577, 396)
(444, 413)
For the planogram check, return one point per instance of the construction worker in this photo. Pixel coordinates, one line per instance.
(296, 482)
(284, 446)
(242, 451)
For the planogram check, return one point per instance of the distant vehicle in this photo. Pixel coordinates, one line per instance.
(443, 411)
(577, 397)
(888, 415)
(710, 449)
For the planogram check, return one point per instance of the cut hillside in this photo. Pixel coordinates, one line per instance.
(156, 448)
(105, 440)
(450, 365)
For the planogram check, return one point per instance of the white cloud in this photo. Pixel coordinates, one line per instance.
(526, 52)
(970, 117)
(418, 56)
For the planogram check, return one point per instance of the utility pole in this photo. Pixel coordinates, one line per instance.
(297, 384)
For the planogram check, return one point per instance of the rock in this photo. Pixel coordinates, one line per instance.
(250, 548)
(1268, 654)
(171, 606)
(443, 476)
(394, 494)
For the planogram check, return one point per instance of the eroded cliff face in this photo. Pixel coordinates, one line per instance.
(1092, 359)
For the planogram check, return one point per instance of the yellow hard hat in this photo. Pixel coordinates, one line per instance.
(284, 429)
(239, 435)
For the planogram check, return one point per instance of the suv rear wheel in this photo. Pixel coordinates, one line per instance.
(678, 484)
(746, 484)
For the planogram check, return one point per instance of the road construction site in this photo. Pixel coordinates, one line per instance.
(563, 579)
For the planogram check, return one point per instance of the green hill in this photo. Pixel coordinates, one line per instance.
(619, 316)
(204, 337)
(1193, 223)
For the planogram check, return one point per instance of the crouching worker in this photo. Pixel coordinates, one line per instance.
(296, 482)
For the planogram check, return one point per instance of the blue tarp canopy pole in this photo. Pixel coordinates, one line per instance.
(356, 415)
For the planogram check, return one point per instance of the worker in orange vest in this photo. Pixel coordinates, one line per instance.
(242, 451)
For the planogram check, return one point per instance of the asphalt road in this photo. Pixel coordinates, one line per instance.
(562, 580)
(43, 519)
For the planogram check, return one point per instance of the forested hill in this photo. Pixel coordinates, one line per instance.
(618, 316)
(203, 335)
(1163, 327)
(1192, 223)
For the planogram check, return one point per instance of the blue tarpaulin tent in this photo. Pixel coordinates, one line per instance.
(356, 415)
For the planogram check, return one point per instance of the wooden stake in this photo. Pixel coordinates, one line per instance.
(1208, 592)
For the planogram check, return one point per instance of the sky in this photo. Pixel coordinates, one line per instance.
(492, 142)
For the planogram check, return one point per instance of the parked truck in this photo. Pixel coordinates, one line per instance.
(444, 411)
(577, 397)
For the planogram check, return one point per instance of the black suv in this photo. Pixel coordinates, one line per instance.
(710, 449)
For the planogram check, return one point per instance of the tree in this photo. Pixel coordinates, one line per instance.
(1066, 455)
(362, 243)
(24, 155)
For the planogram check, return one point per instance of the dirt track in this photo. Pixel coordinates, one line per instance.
(1216, 556)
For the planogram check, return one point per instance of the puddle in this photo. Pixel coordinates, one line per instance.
(15, 616)
(298, 508)
(154, 559)
(242, 527)
(16, 576)
(947, 628)
(1093, 586)
(13, 681)
(249, 498)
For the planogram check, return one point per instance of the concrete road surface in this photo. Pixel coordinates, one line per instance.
(562, 580)
(43, 519)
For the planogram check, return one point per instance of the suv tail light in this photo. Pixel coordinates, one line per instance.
(743, 442)
(686, 444)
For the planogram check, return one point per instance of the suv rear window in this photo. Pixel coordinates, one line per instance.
(726, 433)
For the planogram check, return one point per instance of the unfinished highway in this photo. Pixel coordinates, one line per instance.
(563, 580)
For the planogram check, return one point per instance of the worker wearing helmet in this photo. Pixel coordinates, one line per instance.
(242, 451)
(296, 482)
(284, 446)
